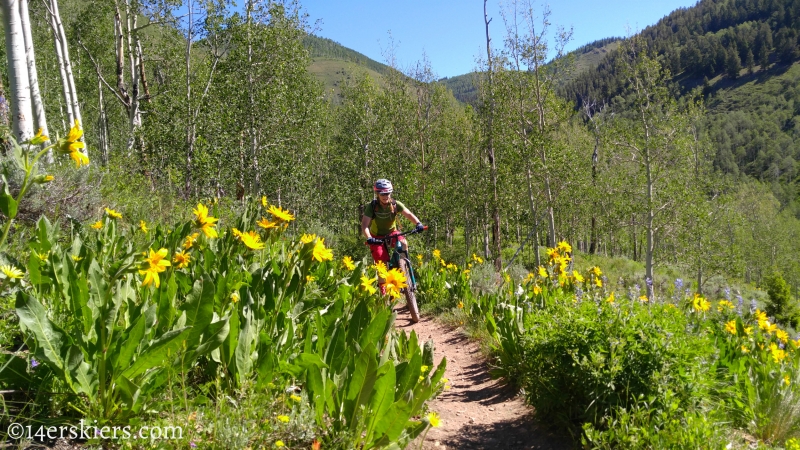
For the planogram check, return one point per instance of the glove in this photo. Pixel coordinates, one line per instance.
(420, 228)
(373, 241)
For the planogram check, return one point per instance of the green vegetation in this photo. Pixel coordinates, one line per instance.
(123, 307)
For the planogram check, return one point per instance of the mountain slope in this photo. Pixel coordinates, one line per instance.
(332, 61)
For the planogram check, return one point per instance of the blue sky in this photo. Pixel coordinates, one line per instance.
(451, 32)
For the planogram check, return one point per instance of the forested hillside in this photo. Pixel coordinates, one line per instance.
(741, 54)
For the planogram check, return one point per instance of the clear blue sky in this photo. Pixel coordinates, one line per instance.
(452, 34)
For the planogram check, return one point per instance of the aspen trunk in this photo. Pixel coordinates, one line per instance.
(18, 79)
(36, 97)
(69, 80)
(496, 238)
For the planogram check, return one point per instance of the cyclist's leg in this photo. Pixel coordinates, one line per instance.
(379, 253)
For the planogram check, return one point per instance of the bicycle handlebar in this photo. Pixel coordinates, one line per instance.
(395, 236)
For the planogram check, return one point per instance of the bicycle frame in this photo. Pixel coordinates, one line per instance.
(397, 252)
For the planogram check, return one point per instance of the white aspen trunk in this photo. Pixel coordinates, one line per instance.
(189, 124)
(134, 113)
(36, 97)
(65, 90)
(70, 80)
(18, 80)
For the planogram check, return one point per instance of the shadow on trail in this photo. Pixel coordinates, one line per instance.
(516, 434)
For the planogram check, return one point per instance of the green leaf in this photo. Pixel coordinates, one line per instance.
(7, 203)
(382, 397)
(50, 338)
(156, 354)
(199, 309)
(361, 383)
(130, 344)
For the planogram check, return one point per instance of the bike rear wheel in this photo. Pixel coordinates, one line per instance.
(411, 298)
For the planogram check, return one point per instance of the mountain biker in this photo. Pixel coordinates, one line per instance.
(379, 222)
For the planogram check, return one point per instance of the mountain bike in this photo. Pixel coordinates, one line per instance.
(399, 260)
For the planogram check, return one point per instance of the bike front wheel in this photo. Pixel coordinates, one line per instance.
(411, 299)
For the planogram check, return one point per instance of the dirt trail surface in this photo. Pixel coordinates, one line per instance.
(476, 412)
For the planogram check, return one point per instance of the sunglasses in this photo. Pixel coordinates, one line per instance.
(385, 194)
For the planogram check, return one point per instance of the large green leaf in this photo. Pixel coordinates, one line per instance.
(156, 354)
(50, 338)
(130, 344)
(382, 397)
(199, 308)
(361, 384)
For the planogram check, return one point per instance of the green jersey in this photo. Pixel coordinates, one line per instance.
(383, 221)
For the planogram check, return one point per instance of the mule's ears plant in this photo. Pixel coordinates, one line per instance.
(25, 159)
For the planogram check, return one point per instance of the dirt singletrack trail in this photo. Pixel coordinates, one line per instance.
(476, 412)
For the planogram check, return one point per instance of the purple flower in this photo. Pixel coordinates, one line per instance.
(34, 362)
(192, 444)
(753, 306)
(727, 293)
(578, 293)
(648, 281)
(678, 284)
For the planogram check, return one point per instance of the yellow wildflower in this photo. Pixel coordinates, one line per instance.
(730, 327)
(724, 304)
(610, 298)
(205, 222)
(282, 418)
(437, 254)
(745, 349)
(279, 444)
(748, 331)
(295, 398)
(181, 259)
(40, 138)
(234, 297)
(322, 253)
(368, 284)
(434, 420)
(578, 277)
(77, 258)
(156, 265)
(48, 178)
(782, 335)
(598, 282)
(596, 271)
(11, 272)
(281, 215)
(700, 304)
(564, 247)
(477, 258)
(380, 267)
(786, 380)
(143, 226)
(113, 214)
(190, 240)
(307, 238)
(394, 281)
(348, 263)
(97, 225)
(252, 240)
(543, 272)
(266, 224)
(424, 368)
(643, 299)
(460, 305)
(537, 289)
(264, 201)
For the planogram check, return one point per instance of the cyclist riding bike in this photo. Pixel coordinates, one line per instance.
(379, 222)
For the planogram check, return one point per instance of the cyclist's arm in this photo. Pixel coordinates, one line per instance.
(365, 223)
(410, 216)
